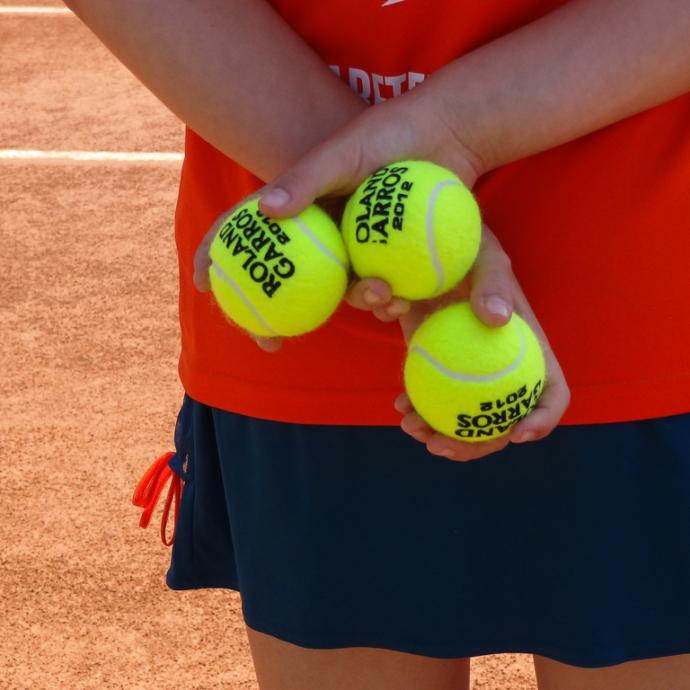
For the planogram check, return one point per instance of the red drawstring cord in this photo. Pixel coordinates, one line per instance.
(149, 489)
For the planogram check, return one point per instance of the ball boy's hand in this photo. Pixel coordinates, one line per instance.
(408, 127)
(202, 262)
(334, 207)
(493, 292)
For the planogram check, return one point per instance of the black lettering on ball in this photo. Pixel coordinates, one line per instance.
(270, 285)
(499, 417)
(243, 218)
(258, 272)
(464, 421)
(284, 268)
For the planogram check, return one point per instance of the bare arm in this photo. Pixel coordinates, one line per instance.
(233, 70)
(584, 66)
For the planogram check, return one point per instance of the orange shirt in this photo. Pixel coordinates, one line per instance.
(598, 231)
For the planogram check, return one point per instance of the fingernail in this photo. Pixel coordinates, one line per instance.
(398, 308)
(371, 297)
(523, 438)
(498, 306)
(275, 197)
(444, 452)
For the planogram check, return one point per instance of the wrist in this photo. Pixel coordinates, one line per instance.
(455, 145)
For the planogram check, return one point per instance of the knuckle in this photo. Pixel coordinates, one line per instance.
(561, 397)
(355, 302)
(382, 314)
(493, 278)
(502, 265)
(290, 181)
(355, 295)
(542, 431)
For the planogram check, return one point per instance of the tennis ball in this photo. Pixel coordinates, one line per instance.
(278, 277)
(470, 381)
(415, 225)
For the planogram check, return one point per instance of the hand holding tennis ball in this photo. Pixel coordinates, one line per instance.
(470, 381)
(415, 224)
(277, 277)
(477, 368)
(335, 167)
(401, 129)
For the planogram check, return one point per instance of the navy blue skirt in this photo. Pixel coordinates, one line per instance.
(576, 547)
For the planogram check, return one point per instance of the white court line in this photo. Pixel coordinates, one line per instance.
(25, 9)
(126, 156)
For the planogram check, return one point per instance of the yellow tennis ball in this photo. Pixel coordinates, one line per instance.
(415, 225)
(470, 381)
(278, 277)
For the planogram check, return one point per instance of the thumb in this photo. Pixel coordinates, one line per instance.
(492, 290)
(332, 168)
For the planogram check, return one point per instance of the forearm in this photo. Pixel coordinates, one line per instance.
(232, 70)
(582, 67)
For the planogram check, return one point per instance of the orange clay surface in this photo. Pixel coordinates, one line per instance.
(89, 389)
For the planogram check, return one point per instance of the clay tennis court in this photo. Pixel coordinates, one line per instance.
(89, 391)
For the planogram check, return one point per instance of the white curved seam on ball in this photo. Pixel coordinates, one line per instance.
(430, 241)
(474, 378)
(320, 245)
(238, 290)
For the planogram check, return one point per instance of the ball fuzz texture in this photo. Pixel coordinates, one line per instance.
(415, 225)
(469, 381)
(278, 277)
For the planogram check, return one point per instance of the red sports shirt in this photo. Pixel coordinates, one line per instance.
(598, 231)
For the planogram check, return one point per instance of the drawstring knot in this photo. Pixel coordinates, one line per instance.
(149, 489)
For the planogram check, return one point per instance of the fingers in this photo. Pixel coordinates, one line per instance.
(552, 405)
(460, 451)
(375, 295)
(437, 444)
(402, 404)
(493, 283)
(368, 293)
(413, 425)
(268, 344)
(396, 308)
(334, 167)
(444, 446)
(537, 425)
